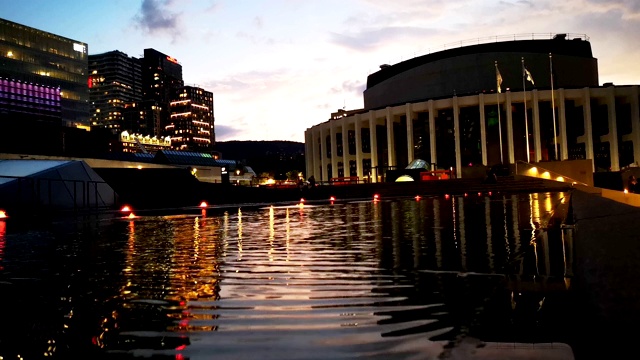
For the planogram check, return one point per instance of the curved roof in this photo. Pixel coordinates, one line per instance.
(558, 46)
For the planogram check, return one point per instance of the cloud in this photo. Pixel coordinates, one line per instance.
(226, 132)
(213, 7)
(255, 39)
(373, 38)
(251, 80)
(350, 86)
(257, 22)
(155, 17)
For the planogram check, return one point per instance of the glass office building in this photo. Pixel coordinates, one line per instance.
(38, 58)
(28, 101)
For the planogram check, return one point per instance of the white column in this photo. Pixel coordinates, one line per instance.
(432, 132)
(510, 146)
(374, 144)
(308, 150)
(345, 146)
(612, 136)
(315, 157)
(358, 127)
(323, 154)
(391, 146)
(456, 135)
(334, 149)
(587, 138)
(635, 123)
(564, 148)
(483, 129)
(409, 116)
(537, 146)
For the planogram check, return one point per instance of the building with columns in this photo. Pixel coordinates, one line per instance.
(449, 109)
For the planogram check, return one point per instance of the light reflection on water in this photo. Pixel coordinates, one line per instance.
(386, 279)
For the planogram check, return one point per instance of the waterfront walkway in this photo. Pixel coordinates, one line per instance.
(605, 283)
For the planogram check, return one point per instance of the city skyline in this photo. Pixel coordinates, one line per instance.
(277, 68)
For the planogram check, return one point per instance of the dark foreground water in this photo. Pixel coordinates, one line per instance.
(393, 279)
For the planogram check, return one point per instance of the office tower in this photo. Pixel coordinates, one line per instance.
(161, 76)
(115, 83)
(39, 60)
(191, 119)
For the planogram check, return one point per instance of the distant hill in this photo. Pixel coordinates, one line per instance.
(274, 157)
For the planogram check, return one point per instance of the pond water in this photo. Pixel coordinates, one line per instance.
(391, 279)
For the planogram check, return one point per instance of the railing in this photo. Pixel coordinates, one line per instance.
(436, 175)
(498, 38)
(344, 180)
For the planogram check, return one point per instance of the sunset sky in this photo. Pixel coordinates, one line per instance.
(278, 67)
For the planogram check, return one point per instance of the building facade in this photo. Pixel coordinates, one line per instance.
(191, 119)
(563, 116)
(161, 76)
(115, 83)
(37, 58)
(138, 143)
(29, 102)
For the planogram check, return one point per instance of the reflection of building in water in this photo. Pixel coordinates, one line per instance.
(447, 239)
(167, 264)
(195, 273)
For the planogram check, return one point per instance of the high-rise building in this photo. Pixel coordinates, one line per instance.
(40, 60)
(115, 82)
(161, 76)
(191, 120)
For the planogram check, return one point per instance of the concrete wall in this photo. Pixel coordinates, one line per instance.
(617, 196)
(578, 170)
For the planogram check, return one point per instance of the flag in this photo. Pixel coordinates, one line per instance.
(498, 78)
(528, 75)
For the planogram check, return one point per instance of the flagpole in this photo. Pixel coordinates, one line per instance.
(553, 111)
(526, 121)
(498, 102)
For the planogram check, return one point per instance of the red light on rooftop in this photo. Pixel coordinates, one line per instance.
(125, 208)
(417, 198)
(332, 198)
(3, 214)
(446, 196)
(302, 200)
(479, 194)
(376, 197)
(204, 204)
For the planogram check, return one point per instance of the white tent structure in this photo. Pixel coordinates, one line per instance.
(52, 184)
